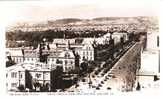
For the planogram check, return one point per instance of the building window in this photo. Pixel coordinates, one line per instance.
(52, 59)
(90, 53)
(66, 68)
(83, 58)
(67, 55)
(83, 53)
(37, 75)
(13, 74)
(158, 41)
(71, 62)
(52, 65)
(66, 62)
(21, 75)
(14, 84)
(58, 61)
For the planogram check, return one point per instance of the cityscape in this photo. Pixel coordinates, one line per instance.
(106, 59)
(74, 55)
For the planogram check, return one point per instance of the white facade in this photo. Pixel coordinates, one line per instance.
(86, 52)
(150, 58)
(16, 54)
(153, 41)
(62, 41)
(15, 75)
(117, 37)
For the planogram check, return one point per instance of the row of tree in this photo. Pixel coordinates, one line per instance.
(51, 34)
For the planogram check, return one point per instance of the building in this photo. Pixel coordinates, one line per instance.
(27, 75)
(15, 76)
(63, 52)
(150, 63)
(152, 41)
(66, 59)
(117, 37)
(85, 53)
(15, 54)
(85, 49)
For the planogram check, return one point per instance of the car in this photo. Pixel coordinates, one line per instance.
(100, 85)
(102, 82)
(113, 76)
(97, 88)
(108, 88)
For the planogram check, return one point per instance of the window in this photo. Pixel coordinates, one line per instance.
(67, 55)
(83, 58)
(52, 65)
(37, 75)
(14, 84)
(61, 61)
(66, 62)
(58, 61)
(71, 62)
(83, 53)
(158, 41)
(13, 74)
(21, 76)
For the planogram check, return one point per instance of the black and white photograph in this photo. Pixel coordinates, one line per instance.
(93, 47)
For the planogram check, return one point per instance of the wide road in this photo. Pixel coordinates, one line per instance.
(99, 81)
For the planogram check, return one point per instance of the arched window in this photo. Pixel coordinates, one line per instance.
(67, 55)
(71, 62)
(66, 62)
(52, 59)
(58, 61)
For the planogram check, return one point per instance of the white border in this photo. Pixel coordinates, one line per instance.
(6, 16)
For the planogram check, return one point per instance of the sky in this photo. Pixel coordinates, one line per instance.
(42, 10)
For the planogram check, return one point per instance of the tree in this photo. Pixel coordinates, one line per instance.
(28, 80)
(84, 66)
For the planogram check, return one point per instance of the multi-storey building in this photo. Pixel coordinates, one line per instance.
(27, 75)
